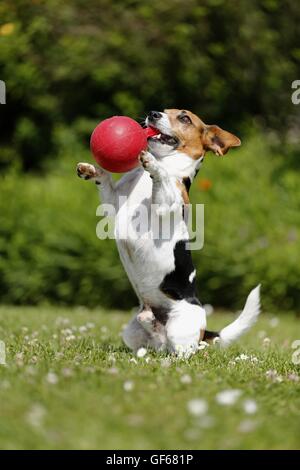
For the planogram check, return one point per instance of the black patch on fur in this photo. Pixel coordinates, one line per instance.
(97, 182)
(161, 314)
(194, 301)
(176, 284)
(210, 335)
(187, 183)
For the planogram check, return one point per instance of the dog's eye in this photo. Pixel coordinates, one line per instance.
(185, 119)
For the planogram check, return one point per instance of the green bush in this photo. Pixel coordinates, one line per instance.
(252, 226)
(49, 251)
(48, 246)
(75, 62)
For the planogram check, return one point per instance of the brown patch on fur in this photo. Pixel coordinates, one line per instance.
(184, 193)
(219, 141)
(201, 335)
(209, 336)
(189, 135)
(196, 137)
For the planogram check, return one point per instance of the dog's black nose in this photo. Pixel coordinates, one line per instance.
(154, 115)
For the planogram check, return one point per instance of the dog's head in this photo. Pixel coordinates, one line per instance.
(182, 132)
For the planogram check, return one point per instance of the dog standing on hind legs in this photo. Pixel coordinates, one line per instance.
(160, 269)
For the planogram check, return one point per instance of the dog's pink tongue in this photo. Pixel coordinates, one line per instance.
(150, 132)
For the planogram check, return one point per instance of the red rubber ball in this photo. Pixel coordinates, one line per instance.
(117, 142)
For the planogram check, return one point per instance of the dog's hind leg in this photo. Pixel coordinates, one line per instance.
(184, 327)
(135, 336)
(156, 330)
(144, 330)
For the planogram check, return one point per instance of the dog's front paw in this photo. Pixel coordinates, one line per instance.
(87, 171)
(149, 163)
(146, 318)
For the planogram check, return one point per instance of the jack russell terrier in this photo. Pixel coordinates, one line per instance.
(159, 268)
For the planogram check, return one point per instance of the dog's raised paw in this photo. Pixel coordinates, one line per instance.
(86, 171)
(146, 317)
(149, 162)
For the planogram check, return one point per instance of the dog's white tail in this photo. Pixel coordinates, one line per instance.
(246, 319)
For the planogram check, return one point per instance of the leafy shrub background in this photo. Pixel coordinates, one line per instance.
(69, 64)
(50, 252)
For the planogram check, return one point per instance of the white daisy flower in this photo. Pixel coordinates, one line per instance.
(111, 357)
(186, 379)
(274, 376)
(228, 397)
(250, 406)
(128, 386)
(52, 378)
(197, 407)
(141, 352)
(70, 338)
(271, 374)
(67, 331)
(242, 357)
(203, 345)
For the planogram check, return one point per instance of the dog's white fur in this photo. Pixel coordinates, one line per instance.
(147, 261)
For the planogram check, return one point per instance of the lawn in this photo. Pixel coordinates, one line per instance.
(69, 383)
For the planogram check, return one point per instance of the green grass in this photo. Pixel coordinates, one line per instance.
(65, 389)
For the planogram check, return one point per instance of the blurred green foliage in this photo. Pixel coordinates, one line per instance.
(73, 62)
(49, 251)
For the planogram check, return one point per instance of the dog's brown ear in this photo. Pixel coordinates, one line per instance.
(219, 141)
